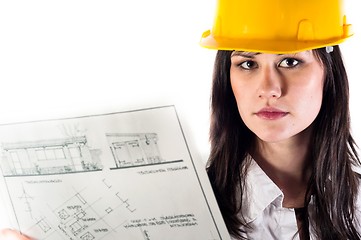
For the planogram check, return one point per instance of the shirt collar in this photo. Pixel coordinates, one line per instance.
(260, 192)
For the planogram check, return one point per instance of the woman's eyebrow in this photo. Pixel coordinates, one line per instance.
(244, 54)
(252, 54)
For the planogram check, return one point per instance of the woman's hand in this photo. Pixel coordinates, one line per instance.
(8, 234)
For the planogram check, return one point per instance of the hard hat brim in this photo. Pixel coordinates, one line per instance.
(266, 46)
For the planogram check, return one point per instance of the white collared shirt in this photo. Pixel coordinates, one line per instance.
(263, 211)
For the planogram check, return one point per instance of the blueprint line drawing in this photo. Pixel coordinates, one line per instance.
(124, 175)
(85, 216)
(26, 198)
(51, 156)
(134, 149)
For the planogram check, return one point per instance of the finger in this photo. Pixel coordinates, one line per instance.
(8, 234)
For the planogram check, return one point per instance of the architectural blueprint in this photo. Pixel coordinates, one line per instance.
(126, 175)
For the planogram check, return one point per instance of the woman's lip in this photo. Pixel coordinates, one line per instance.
(271, 113)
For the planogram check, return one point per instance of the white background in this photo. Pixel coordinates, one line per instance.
(66, 58)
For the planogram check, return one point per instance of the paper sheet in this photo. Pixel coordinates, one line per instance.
(126, 175)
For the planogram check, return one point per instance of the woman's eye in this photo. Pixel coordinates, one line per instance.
(248, 65)
(288, 63)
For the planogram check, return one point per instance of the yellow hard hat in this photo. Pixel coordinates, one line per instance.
(277, 26)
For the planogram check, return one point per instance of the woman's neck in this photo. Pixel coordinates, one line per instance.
(287, 164)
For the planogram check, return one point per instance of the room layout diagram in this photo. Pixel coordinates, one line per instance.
(81, 215)
(125, 175)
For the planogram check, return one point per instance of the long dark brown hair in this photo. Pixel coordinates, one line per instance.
(333, 184)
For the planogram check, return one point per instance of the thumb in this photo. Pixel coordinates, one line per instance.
(8, 234)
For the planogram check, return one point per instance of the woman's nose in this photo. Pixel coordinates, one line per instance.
(270, 83)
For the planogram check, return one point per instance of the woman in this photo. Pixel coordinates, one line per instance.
(282, 155)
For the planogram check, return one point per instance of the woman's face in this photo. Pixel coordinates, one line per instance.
(278, 95)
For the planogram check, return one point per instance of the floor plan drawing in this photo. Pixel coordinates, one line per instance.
(80, 218)
(125, 175)
(43, 225)
(82, 215)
